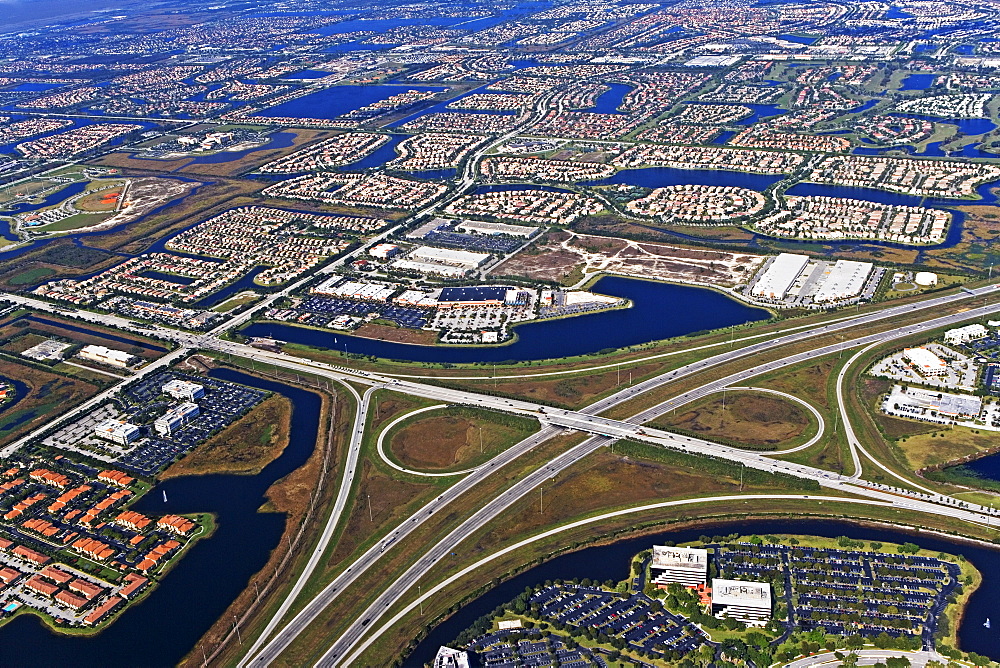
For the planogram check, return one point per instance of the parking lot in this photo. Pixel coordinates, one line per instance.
(403, 316)
(961, 373)
(480, 243)
(510, 648)
(849, 591)
(629, 616)
(140, 404)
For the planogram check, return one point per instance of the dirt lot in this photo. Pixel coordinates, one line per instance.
(752, 419)
(559, 255)
(398, 334)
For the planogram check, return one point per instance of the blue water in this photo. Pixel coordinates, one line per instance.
(659, 177)
(612, 562)
(434, 174)
(659, 311)
(307, 74)
(442, 107)
(869, 194)
(918, 81)
(509, 187)
(245, 283)
(968, 126)
(382, 155)
(50, 199)
(724, 136)
(192, 596)
(865, 107)
(338, 100)
(897, 13)
(33, 87)
(760, 111)
(965, 49)
(925, 48)
(21, 390)
(610, 100)
(383, 25)
(799, 39)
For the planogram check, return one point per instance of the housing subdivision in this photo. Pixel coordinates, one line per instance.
(924, 178)
(695, 204)
(536, 169)
(285, 244)
(709, 157)
(75, 142)
(823, 217)
(71, 551)
(525, 206)
(379, 191)
(434, 150)
(337, 151)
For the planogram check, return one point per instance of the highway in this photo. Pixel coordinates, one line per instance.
(611, 430)
(343, 495)
(604, 431)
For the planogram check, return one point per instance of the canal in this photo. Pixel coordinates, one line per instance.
(612, 562)
(165, 627)
(659, 311)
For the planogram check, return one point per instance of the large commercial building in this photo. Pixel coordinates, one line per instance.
(779, 276)
(494, 229)
(925, 362)
(749, 602)
(485, 295)
(916, 402)
(845, 279)
(384, 251)
(175, 418)
(451, 658)
(338, 286)
(102, 355)
(183, 389)
(117, 431)
(686, 566)
(966, 334)
(441, 261)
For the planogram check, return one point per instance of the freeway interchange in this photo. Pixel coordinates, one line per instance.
(281, 631)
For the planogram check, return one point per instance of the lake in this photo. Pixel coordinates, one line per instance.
(163, 628)
(659, 311)
(612, 562)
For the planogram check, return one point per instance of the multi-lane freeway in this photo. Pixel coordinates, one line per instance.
(603, 430)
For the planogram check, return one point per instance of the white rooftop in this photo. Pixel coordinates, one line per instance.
(740, 593)
(679, 557)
